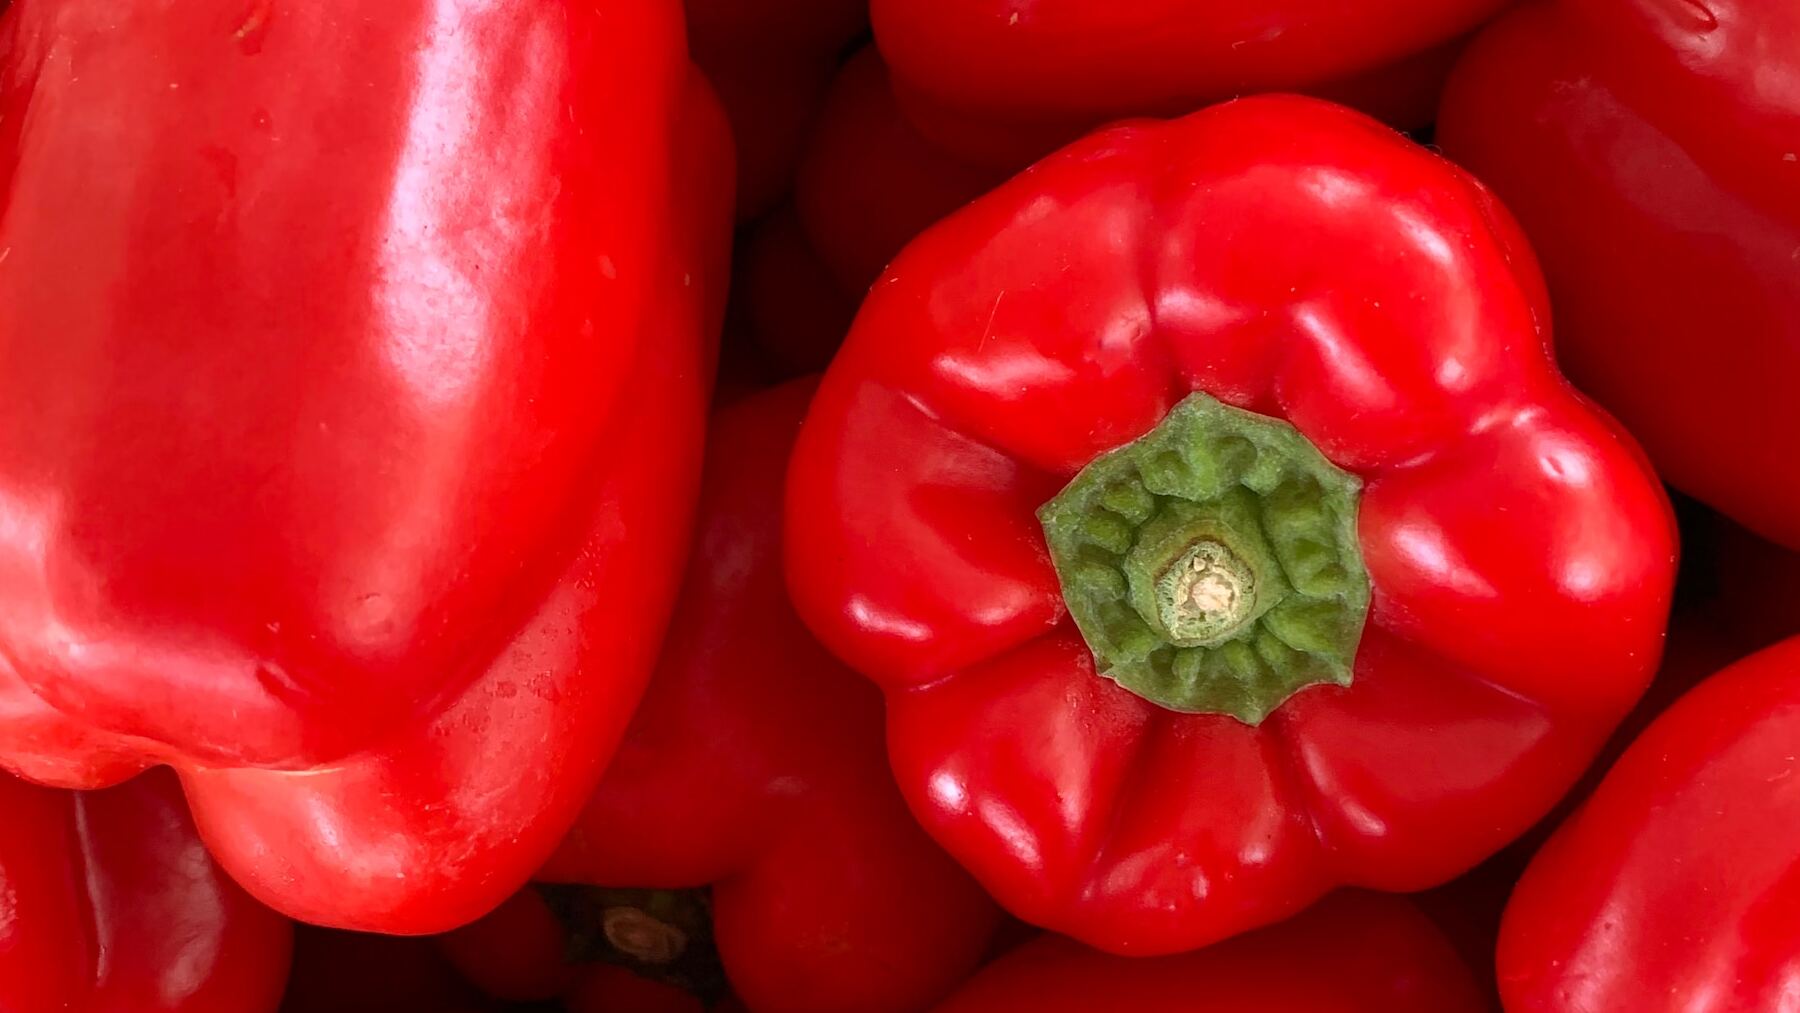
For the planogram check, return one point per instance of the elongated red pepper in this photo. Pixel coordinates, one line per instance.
(324, 476)
(1209, 507)
(1673, 887)
(1353, 953)
(109, 904)
(754, 767)
(1652, 149)
(1008, 80)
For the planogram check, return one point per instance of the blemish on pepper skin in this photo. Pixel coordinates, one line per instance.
(254, 28)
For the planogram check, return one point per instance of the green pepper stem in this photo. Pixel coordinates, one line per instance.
(1212, 565)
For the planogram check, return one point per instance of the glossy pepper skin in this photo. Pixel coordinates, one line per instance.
(1008, 80)
(1651, 149)
(1672, 888)
(232, 547)
(754, 766)
(1352, 953)
(1301, 263)
(112, 906)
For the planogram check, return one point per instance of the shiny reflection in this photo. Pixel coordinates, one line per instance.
(866, 615)
(1426, 239)
(1353, 374)
(1335, 189)
(444, 243)
(948, 793)
(1431, 555)
(1016, 832)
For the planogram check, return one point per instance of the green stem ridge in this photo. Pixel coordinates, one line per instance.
(1212, 565)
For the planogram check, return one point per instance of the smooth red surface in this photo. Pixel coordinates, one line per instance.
(1353, 953)
(109, 904)
(1294, 259)
(299, 375)
(1673, 888)
(770, 61)
(1007, 80)
(411, 355)
(1652, 150)
(755, 765)
(869, 182)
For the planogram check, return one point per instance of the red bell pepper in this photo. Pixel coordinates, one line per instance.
(109, 904)
(1353, 953)
(1008, 80)
(323, 475)
(754, 766)
(1652, 149)
(1673, 887)
(1209, 507)
(1469, 907)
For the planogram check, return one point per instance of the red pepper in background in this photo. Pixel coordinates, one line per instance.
(755, 766)
(1222, 409)
(770, 61)
(1005, 81)
(325, 477)
(1652, 150)
(109, 904)
(1735, 596)
(869, 182)
(1352, 953)
(1673, 886)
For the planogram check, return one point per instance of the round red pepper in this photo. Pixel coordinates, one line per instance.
(1672, 888)
(348, 513)
(1007, 80)
(1192, 416)
(1652, 150)
(754, 766)
(109, 904)
(1352, 953)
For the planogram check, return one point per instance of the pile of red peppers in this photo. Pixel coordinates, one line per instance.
(870, 506)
